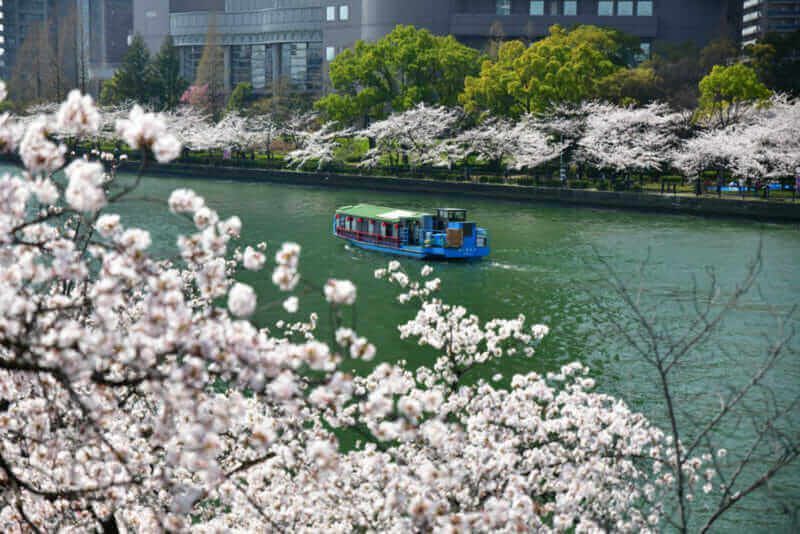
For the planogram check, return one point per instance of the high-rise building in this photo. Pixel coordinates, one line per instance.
(264, 41)
(108, 26)
(268, 40)
(475, 21)
(760, 17)
(18, 17)
(100, 29)
(151, 21)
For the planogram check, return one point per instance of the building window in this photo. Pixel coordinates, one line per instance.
(625, 8)
(191, 58)
(605, 8)
(241, 64)
(330, 53)
(330, 13)
(570, 7)
(644, 8)
(644, 55)
(344, 12)
(537, 7)
(503, 7)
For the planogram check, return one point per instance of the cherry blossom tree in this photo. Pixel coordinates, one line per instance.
(628, 138)
(490, 141)
(667, 345)
(497, 141)
(198, 97)
(319, 146)
(762, 144)
(412, 136)
(263, 129)
(774, 137)
(727, 148)
(136, 395)
(535, 145)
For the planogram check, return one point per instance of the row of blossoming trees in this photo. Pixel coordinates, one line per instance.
(111, 419)
(756, 141)
(760, 143)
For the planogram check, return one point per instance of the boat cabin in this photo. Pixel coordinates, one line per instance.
(384, 227)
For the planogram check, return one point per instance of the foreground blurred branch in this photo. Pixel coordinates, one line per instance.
(667, 346)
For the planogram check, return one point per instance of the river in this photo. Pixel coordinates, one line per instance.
(545, 263)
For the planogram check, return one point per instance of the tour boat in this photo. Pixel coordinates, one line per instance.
(444, 235)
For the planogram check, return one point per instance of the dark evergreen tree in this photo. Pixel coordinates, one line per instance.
(169, 85)
(134, 80)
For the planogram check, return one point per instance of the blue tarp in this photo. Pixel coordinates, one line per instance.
(772, 187)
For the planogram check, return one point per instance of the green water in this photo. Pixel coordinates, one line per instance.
(544, 263)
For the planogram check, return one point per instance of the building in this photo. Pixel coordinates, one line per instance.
(151, 21)
(108, 28)
(100, 28)
(265, 42)
(760, 17)
(18, 17)
(474, 21)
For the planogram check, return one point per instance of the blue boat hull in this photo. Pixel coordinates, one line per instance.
(423, 252)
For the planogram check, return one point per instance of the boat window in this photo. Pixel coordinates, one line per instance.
(468, 229)
(452, 214)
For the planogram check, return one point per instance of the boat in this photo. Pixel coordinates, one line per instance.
(444, 234)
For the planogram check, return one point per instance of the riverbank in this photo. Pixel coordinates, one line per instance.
(751, 208)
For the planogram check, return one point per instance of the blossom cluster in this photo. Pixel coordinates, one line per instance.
(593, 135)
(133, 394)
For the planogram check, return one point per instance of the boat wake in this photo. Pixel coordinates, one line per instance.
(510, 267)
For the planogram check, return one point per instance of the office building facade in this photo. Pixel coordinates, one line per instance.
(760, 17)
(267, 41)
(472, 21)
(18, 17)
(101, 29)
(264, 42)
(108, 27)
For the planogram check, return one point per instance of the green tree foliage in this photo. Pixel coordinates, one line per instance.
(624, 87)
(134, 80)
(680, 67)
(677, 66)
(406, 67)
(725, 89)
(776, 60)
(211, 70)
(169, 86)
(564, 67)
(240, 97)
(718, 52)
(283, 103)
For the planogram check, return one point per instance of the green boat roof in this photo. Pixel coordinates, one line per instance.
(381, 213)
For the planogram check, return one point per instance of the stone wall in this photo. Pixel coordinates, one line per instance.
(703, 206)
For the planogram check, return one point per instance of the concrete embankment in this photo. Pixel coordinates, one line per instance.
(778, 211)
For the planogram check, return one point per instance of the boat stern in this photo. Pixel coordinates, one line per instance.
(459, 240)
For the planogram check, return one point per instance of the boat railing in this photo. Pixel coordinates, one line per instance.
(368, 237)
